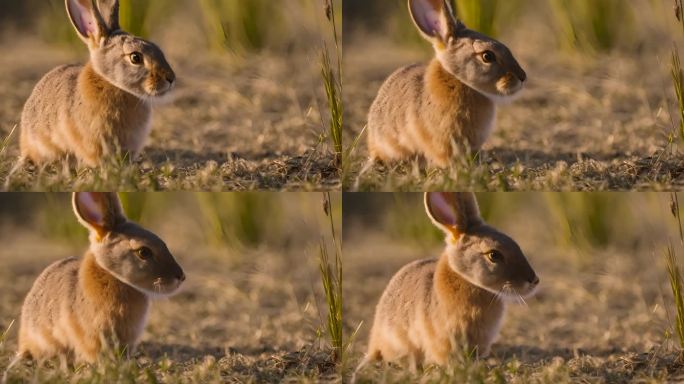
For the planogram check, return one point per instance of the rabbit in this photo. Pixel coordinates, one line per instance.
(103, 108)
(78, 308)
(433, 307)
(448, 106)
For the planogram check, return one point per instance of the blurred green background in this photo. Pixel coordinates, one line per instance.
(235, 26)
(218, 224)
(588, 26)
(580, 223)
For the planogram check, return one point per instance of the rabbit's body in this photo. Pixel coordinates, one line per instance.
(106, 308)
(97, 120)
(79, 308)
(434, 307)
(427, 310)
(103, 108)
(446, 113)
(445, 109)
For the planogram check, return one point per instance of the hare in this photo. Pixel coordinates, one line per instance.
(77, 309)
(102, 108)
(446, 107)
(432, 307)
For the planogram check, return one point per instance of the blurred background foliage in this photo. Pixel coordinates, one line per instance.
(580, 222)
(235, 221)
(586, 26)
(235, 26)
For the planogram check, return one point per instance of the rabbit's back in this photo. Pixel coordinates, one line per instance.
(42, 316)
(46, 109)
(389, 114)
(409, 290)
(397, 328)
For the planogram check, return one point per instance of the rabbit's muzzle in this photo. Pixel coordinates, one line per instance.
(511, 83)
(160, 82)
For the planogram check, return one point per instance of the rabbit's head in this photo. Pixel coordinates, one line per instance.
(480, 62)
(129, 252)
(479, 253)
(130, 63)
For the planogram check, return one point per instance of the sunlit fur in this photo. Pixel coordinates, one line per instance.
(78, 308)
(434, 307)
(101, 109)
(446, 108)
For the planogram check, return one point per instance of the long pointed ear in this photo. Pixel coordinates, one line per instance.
(453, 213)
(86, 19)
(435, 19)
(109, 11)
(99, 212)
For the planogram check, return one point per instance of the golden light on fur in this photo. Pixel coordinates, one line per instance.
(99, 110)
(445, 109)
(433, 307)
(78, 308)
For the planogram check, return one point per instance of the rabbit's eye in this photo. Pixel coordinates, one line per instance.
(488, 57)
(144, 253)
(136, 58)
(494, 257)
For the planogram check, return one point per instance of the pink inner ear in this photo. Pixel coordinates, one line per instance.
(82, 17)
(441, 209)
(89, 209)
(427, 17)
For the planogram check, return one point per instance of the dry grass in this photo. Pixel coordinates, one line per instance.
(584, 122)
(606, 319)
(245, 314)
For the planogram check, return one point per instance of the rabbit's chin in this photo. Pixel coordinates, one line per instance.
(164, 291)
(160, 99)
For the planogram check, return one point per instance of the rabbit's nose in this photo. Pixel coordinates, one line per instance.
(181, 277)
(171, 78)
(522, 76)
(534, 280)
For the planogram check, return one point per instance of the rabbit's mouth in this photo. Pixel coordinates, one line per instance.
(162, 287)
(160, 92)
(509, 86)
(510, 293)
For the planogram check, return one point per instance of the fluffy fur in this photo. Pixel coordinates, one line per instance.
(432, 307)
(447, 107)
(102, 108)
(76, 309)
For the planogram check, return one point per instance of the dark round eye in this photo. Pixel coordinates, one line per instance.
(494, 256)
(144, 253)
(136, 58)
(488, 57)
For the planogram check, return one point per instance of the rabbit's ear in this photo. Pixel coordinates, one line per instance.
(453, 213)
(109, 11)
(435, 19)
(99, 212)
(87, 20)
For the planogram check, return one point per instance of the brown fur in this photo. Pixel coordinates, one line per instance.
(102, 109)
(450, 310)
(445, 109)
(77, 309)
(433, 307)
(101, 313)
(445, 115)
